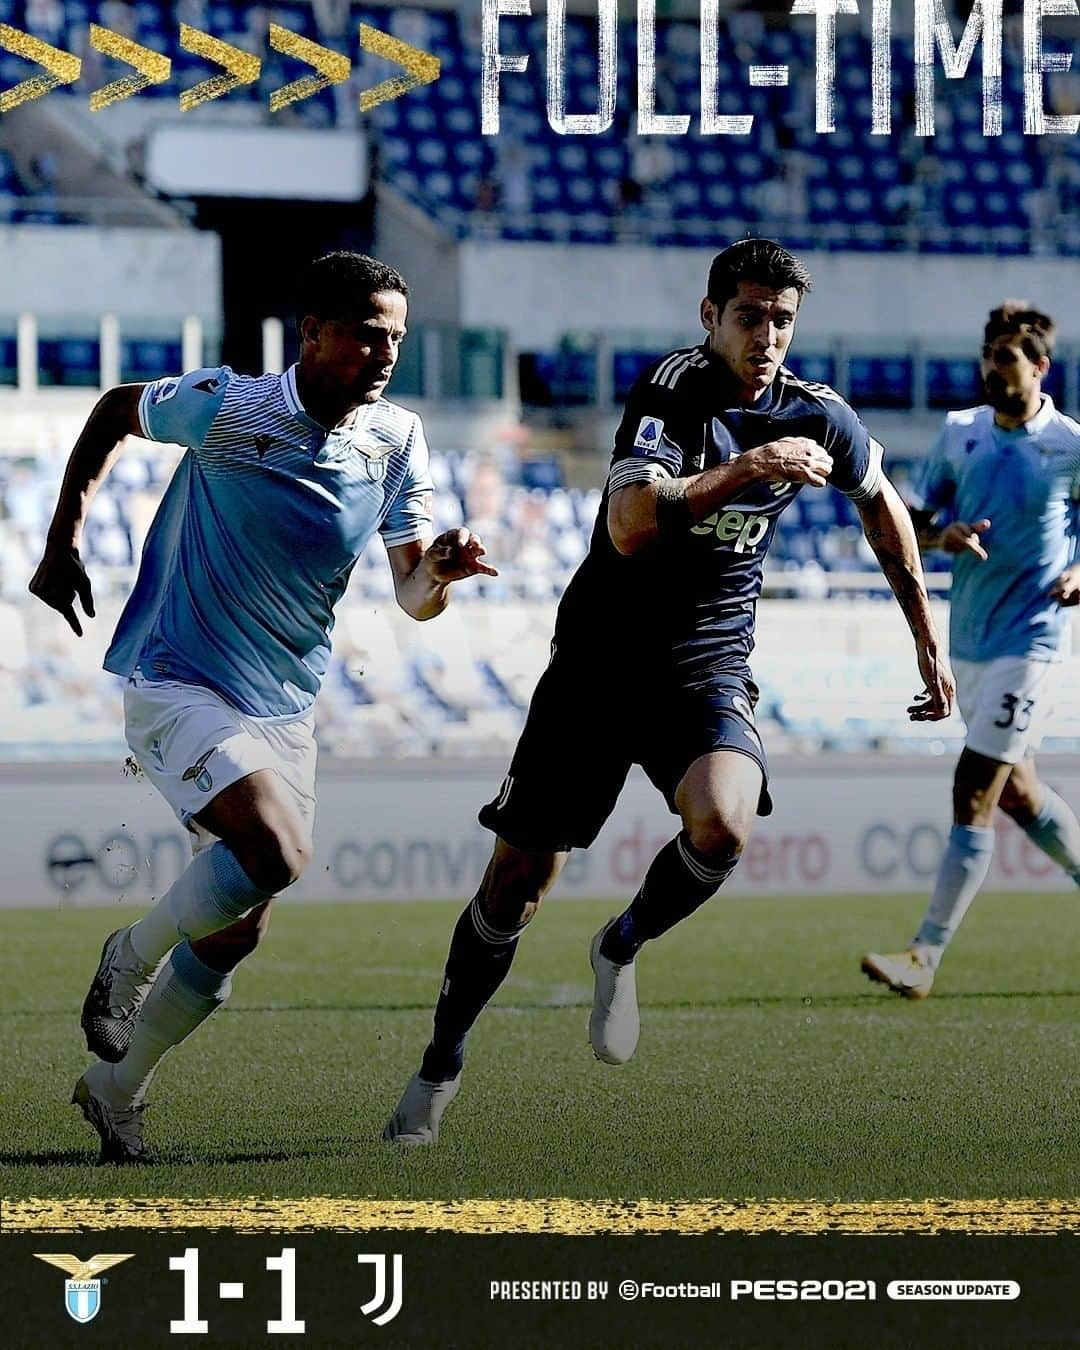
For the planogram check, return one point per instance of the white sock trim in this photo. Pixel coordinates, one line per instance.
(486, 932)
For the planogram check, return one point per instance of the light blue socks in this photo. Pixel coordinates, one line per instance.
(962, 872)
(184, 995)
(1057, 832)
(211, 894)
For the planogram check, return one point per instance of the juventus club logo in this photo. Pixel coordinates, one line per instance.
(391, 1305)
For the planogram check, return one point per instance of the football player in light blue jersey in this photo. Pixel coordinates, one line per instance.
(1000, 491)
(226, 638)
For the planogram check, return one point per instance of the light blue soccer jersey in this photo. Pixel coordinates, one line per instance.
(258, 531)
(1027, 484)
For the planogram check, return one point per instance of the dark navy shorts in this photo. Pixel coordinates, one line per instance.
(585, 730)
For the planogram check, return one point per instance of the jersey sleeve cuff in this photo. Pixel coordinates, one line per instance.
(410, 535)
(141, 411)
(871, 482)
(628, 471)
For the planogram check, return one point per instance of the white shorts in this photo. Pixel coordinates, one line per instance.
(1005, 704)
(192, 745)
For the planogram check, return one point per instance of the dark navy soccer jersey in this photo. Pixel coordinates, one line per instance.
(694, 597)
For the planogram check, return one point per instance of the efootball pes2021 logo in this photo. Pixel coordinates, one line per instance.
(82, 1292)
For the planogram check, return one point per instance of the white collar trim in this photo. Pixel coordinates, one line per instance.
(1043, 417)
(288, 389)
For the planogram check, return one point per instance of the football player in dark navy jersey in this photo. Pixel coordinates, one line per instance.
(649, 661)
(692, 594)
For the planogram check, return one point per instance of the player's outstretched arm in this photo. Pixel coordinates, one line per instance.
(890, 533)
(424, 571)
(60, 576)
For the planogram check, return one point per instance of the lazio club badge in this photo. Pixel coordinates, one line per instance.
(375, 459)
(339, 448)
(82, 1292)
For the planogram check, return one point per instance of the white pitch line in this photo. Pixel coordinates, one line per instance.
(559, 995)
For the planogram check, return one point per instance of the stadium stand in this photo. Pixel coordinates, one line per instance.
(462, 686)
(966, 193)
(918, 379)
(962, 192)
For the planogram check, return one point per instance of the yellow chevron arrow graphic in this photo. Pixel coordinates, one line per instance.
(333, 68)
(420, 66)
(63, 68)
(153, 67)
(243, 68)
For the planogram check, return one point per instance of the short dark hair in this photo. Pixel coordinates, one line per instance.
(339, 285)
(1019, 318)
(761, 260)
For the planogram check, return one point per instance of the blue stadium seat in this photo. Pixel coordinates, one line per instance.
(824, 203)
(8, 360)
(719, 194)
(952, 382)
(567, 375)
(885, 169)
(880, 382)
(148, 358)
(851, 168)
(69, 361)
(626, 367)
(542, 471)
(812, 366)
(9, 180)
(1054, 383)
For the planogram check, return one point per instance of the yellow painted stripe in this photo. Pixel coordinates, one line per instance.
(563, 1216)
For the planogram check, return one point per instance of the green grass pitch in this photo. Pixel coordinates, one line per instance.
(768, 1066)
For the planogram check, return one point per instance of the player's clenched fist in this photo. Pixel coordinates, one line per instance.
(960, 537)
(59, 578)
(793, 459)
(456, 554)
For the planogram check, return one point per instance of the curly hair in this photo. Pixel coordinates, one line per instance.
(1019, 318)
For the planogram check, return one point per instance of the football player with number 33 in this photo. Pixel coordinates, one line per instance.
(1000, 491)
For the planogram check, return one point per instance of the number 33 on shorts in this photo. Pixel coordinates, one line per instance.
(1016, 711)
(1005, 704)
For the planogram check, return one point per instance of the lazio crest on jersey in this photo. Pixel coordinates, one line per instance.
(258, 532)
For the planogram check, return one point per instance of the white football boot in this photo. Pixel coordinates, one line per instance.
(416, 1118)
(909, 973)
(118, 1122)
(614, 1025)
